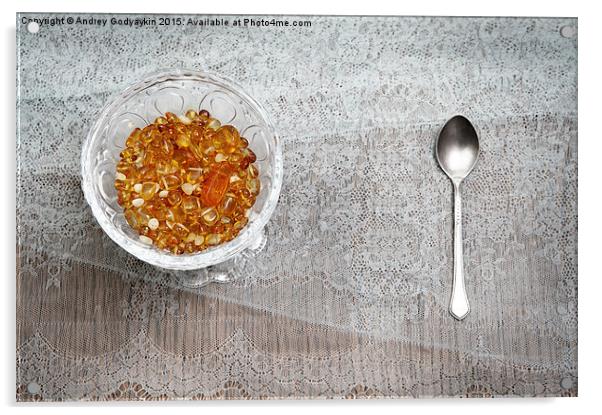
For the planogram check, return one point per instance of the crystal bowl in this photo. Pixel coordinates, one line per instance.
(137, 106)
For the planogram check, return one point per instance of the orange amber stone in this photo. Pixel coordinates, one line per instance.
(215, 185)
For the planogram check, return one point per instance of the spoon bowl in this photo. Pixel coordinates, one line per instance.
(457, 150)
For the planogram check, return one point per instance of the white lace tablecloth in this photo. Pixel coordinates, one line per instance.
(349, 297)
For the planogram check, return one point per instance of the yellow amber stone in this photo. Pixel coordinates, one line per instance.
(134, 138)
(210, 151)
(194, 174)
(228, 204)
(165, 240)
(158, 210)
(213, 239)
(166, 167)
(180, 231)
(132, 218)
(252, 171)
(216, 142)
(230, 133)
(148, 190)
(188, 188)
(241, 223)
(236, 185)
(171, 182)
(235, 157)
(175, 214)
(183, 141)
(174, 198)
(209, 216)
(229, 149)
(213, 124)
(143, 216)
(124, 185)
(191, 204)
(197, 151)
(250, 157)
(167, 147)
(216, 184)
(244, 197)
(148, 134)
(253, 186)
(124, 167)
(129, 154)
(239, 213)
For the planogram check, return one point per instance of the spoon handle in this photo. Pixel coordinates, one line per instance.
(458, 307)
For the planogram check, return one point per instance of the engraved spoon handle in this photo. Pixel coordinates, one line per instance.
(458, 307)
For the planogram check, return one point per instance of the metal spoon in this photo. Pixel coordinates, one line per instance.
(457, 149)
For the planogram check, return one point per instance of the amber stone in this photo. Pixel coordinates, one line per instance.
(251, 156)
(252, 171)
(209, 216)
(174, 198)
(171, 182)
(253, 186)
(180, 231)
(148, 190)
(213, 239)
(213, 124)
(191, 204)
(132, 218)
(167, 147)
(183, 140)
(215, 185)
(228, 204)
(134, 138)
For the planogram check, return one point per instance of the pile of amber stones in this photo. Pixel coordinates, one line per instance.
(186, 183)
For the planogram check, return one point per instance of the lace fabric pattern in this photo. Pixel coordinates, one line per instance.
(349, 297)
